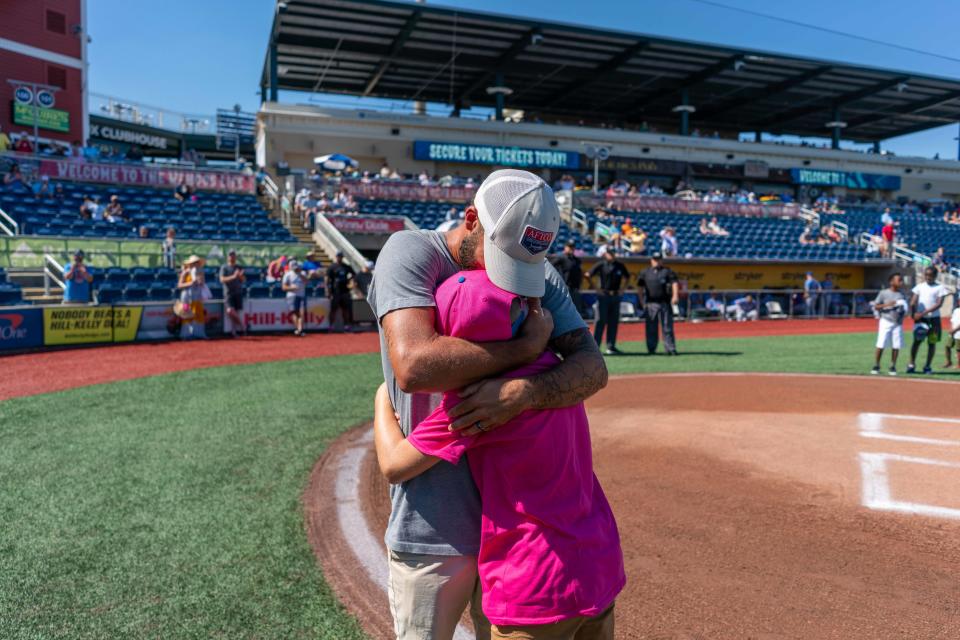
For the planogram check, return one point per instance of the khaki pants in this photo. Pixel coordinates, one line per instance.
(598, 628)
(429, 593)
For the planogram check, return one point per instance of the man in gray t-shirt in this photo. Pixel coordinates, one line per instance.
(890, 306)
(435, 517)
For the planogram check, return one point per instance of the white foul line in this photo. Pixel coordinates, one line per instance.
(353, 524)
(876, 486)
(872, 426)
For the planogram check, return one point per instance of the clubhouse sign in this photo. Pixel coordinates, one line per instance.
(518, 157)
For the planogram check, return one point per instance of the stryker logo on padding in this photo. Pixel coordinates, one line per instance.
(535, 240)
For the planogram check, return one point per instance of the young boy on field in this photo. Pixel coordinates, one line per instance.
(890, 306)
(550, 562)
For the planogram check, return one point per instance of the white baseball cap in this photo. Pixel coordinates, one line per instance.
(520, 220)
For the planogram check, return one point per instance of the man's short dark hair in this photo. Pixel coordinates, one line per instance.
(892, 276)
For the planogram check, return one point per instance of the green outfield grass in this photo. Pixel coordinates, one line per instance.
(169, 507)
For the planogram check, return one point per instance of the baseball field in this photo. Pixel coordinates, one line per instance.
(223, 490)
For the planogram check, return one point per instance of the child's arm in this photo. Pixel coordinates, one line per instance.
(399, 460)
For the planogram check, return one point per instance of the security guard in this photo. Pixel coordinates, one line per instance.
(659, 290)
(571, 270)
(613, 277)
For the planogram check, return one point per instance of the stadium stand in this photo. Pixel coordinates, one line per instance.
(211, 216)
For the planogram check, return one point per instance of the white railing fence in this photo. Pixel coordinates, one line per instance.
(52, 271)
(8, 226)
(329, 237)
(810, 216)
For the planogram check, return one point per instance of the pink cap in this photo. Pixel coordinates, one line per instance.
(471, 307)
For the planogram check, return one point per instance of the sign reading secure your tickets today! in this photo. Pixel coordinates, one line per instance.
(493, 155)
(85, 325)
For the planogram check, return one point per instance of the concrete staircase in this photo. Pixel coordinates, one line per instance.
(31, 283)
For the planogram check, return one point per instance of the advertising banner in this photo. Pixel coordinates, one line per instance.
(20, 328)
(381, 225)
(666, 204)
(643, 165)
(494, 155)
(390, 190)
(84, 325)
(271, 314)
(146, 175)
(52, 119)
(158, 322)
(848, 179)
(110, 130)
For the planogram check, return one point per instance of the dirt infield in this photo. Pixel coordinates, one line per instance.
(750, 506)
(30, 373)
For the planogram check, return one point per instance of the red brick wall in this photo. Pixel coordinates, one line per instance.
(25, 22)
(28, 69)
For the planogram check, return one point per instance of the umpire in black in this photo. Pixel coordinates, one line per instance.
(659, 291)
(613, 277)
(571, 270)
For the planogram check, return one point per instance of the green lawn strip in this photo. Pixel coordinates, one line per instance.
(169, 507)
(831, 354)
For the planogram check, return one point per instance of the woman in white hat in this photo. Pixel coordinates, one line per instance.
(193, 291)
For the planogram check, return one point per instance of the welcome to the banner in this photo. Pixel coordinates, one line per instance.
(146, 176)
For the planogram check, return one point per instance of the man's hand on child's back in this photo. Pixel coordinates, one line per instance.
(488, 404)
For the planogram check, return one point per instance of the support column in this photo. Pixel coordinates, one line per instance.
(498, 81)
(876, 147)
(274, 80)
(684, 114)
(757, 136)
(263, 93)
(835, 135)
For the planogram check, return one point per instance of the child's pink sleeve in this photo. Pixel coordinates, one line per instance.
(433, 438)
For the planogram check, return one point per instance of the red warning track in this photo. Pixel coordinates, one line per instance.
(48, 371)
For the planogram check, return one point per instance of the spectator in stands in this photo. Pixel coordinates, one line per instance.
(300, 206)
(260, 177)
(807, 236)
(14, 181)
(193, 292)
(276, 269)
(886, 218)
(364, 278)
(716, 229)
(91, 152)
(669, 245)
(811, 295)
(183, 192)
(340, 277)
(889, 235)
(746, 308)
(295, 286)
(232, 278)
(144, 232)
(114, 210)
(952, 217)
(77, 281)
(940, 261)
(134, 154)
(88, 208)
(41, 188)
(169, 248)
(4, 141)
(23, 143)
(705, 228)
(384, 171)
(567, 183)
(58, 193)
(350, 205)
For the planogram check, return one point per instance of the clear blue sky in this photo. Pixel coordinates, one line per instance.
(198, 55)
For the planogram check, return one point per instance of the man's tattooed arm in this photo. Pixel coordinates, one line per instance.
(582, 373)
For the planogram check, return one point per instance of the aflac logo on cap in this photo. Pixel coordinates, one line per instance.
(535, 240)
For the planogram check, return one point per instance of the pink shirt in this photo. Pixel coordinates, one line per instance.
(549, 546)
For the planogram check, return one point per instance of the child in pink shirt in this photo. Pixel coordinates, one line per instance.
(550, 558)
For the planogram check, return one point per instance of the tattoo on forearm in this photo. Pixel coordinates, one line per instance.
(582, 373)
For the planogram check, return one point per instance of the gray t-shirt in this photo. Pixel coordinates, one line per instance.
(233, 286)
(438, 512)
(894, 314)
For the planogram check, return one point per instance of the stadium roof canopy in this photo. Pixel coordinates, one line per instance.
(406, 51)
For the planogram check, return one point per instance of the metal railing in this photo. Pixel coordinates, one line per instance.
(580, 218)
(52, 270)
(842, 228)
(329, 237)
(770, 304)
(810, 216)
(8, 225)
(159, 117)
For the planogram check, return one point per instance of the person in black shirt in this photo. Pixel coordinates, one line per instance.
(613, 276)
(339, 278)
(571, 270)
(659, 291)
